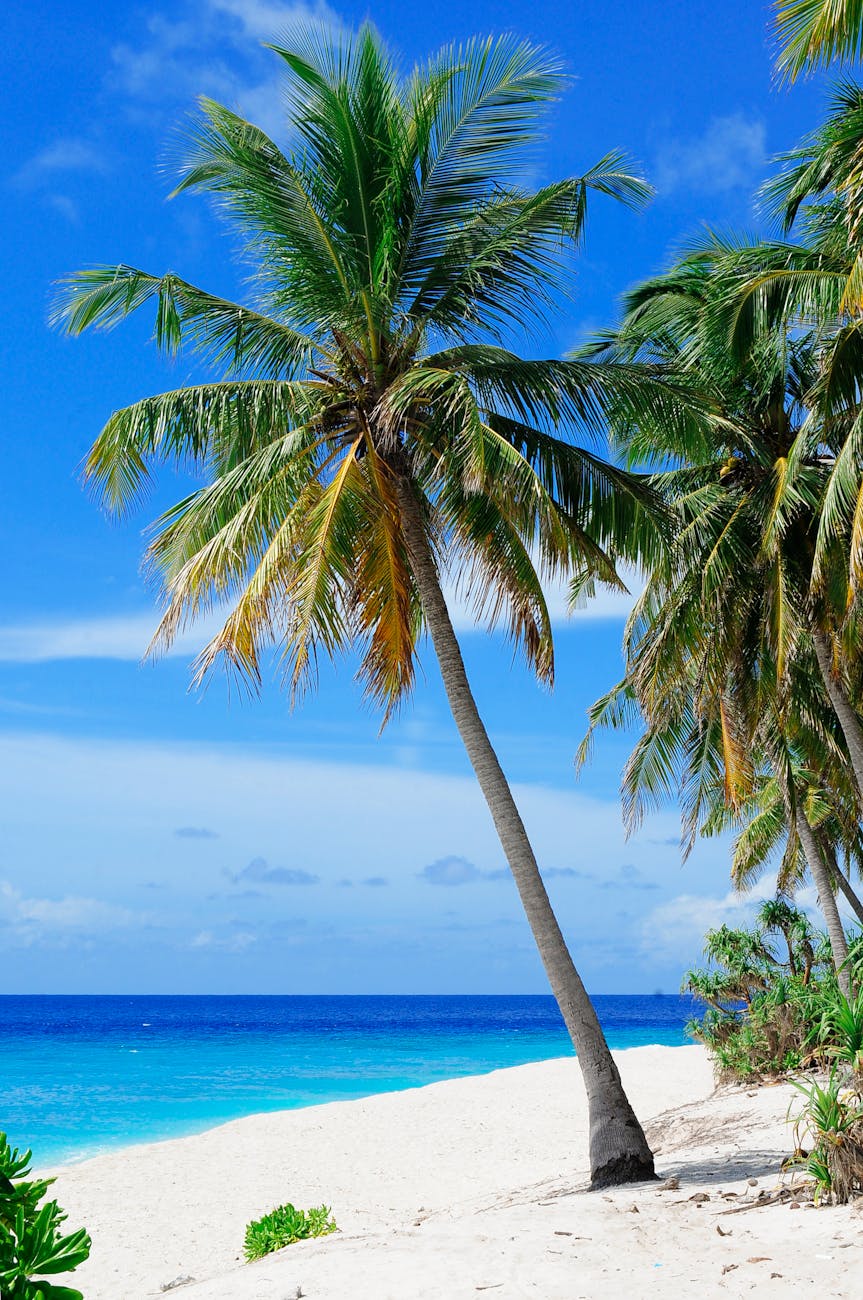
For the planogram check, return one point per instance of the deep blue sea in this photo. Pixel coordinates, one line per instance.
(79, 1075)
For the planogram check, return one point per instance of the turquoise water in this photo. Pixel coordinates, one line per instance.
(79, 1075)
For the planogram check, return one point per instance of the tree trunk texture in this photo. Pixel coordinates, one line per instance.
(842, 880)
(826, 900)
(852, 729)
(850, 896)
(619, 1152)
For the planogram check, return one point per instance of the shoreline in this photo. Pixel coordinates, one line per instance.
(454, 1187)
(55, 1167)
(52, 1153)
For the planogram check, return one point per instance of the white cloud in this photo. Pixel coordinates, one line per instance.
(37, 918)
(260, 872)
(114, 806)
(266, 19)
(236, 943)
(67, 207)
(126, 636)
(450, 871)
(675, 929)
(71, 154)
(111, 637)
(213, 47)
(727, 156)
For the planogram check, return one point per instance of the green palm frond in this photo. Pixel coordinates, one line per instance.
(208, 424)
(816, 33)
(390, 243)
(228, 335)
(719, 660)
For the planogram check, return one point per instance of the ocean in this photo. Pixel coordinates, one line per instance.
(82, 1075)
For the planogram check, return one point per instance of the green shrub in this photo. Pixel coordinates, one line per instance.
(840, 1032)
(285, 1225)
(30, 1238)
(771, 995)
(832, 1122)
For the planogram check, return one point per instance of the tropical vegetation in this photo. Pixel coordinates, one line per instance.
(365, 434)
(32, 1241)
(831, 1124)
(283, 1226)
(370, 435)
(742, 655)
(816, 33)
(773, 1002)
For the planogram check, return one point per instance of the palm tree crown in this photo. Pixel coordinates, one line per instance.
(392, 254)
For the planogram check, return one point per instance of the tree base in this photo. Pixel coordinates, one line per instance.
(623, 1169)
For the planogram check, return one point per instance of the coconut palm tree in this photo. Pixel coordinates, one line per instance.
(815, 33)
(723, 646)
(370, 433)
(765, 833)
(816, 287)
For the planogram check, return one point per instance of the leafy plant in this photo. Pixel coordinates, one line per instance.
(31, 1240)
(15, 1191)
(840, 1032)
(773, 1003)
(285, 1225)
(832, 1119)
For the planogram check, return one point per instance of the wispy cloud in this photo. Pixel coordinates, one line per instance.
(212, 47)
(728, 155)
(71, 154)
(30, 920)
(235, 943)
(121, 636)
(195, 833)
(60, 164)
(139, 789)
(453, 871)
(677, 927)
(260, 872)
(126, 636)
(266, 19)
(450, 872)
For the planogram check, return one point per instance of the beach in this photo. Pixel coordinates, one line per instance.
(466, 1186)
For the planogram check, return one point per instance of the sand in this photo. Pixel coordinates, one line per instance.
(469, 1187)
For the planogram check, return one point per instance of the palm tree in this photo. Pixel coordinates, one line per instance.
(722, 647)
(371, 433)
(816, 287)
(765, 832)
(814, 33)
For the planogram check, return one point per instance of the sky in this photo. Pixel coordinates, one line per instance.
(157, 839)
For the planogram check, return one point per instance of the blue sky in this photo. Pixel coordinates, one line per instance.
(157, 840)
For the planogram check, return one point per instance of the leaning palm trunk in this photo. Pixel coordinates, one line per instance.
(851, 896)
(842, 707)
(842, 881)
(826, 900)
(619, 1152)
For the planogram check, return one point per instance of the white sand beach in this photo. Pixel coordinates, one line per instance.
(467, 1187)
